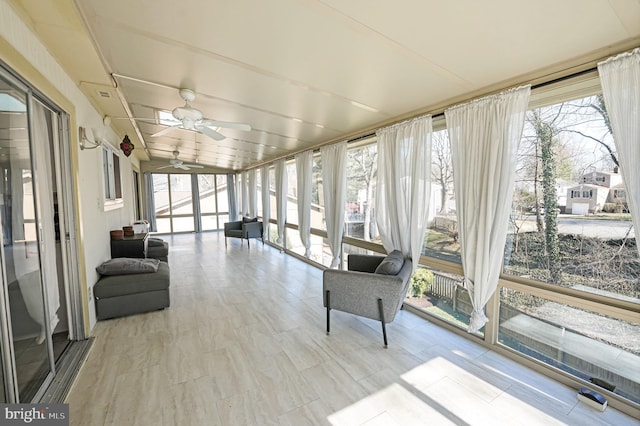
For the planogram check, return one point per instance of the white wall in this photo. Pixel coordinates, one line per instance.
(95, 223)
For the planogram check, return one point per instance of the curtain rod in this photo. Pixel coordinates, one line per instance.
(435, 115)
(533, 87)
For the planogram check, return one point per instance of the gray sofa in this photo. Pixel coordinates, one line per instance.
(122, 294)
(373, 287)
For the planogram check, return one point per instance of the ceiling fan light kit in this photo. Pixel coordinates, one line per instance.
(191, 118)
(179, 164)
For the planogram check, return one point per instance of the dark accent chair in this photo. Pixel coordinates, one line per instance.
(246, 228)
(372, 287)
(157, 248)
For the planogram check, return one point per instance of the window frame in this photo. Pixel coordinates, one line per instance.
(112, 179)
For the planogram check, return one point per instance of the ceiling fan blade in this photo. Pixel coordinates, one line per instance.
(164, 131)
(210, 132)
(163, 167)
(226, 124)
(194, 166)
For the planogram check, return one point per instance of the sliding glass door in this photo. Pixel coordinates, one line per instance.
(24, 309)
(34, 323)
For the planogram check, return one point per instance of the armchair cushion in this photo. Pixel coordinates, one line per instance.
(363, 262)
(391, 264)
(232, 226)
(249, 220)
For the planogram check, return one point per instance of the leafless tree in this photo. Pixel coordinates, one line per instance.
(442, 167)
(363, 167)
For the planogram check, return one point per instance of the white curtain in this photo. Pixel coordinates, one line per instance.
(266, 199)
(484, 136)
(304, 176)
(404, 185)
(231, 197)
(150, 201)
(334, 188)
(253, 194)
(281, 198)
(245, 194)
(620, 80)
(30, 282)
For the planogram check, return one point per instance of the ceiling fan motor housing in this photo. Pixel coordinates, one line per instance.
(187, 94)
(187, 113)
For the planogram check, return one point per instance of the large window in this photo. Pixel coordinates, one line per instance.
(292, 193)
(570, 286)
(441, 240)
(587, 344)
(569, 231)
(208, 207)
(112, 178)
(360, 221)
(173, 202)
(567, 226)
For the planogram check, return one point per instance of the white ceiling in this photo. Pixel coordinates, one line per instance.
(305, 72)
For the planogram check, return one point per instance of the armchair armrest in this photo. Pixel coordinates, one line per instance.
(252, 229)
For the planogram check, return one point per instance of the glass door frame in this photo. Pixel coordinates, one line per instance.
(11, 385)
(62, 158)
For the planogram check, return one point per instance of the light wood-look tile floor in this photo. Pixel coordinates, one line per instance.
(244, 343)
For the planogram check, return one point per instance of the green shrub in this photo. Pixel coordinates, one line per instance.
(421, 280)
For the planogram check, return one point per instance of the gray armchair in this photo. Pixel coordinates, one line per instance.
(245, 228)
(372, 287)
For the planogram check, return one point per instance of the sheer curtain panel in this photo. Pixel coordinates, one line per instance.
(245, 194)
(266, 199)
(45, 193)
(252, 211)
(281, 198)
(231, 197)
(404, 185)
(150, 201)
(334, 183)
(620, 80)
(304, 164)
(484, 136)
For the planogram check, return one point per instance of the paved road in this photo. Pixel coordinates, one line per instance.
(567, 224)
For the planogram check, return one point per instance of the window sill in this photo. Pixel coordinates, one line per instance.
(113, 204)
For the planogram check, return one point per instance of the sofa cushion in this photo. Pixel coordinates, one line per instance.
(249, 220)
(122, 285)
(128, 266)
(391, 264)
(155, 242)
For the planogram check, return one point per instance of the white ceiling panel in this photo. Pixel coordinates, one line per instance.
(306, 72)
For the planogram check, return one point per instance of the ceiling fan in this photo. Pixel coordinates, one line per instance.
(178, 164)
(191, 118)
